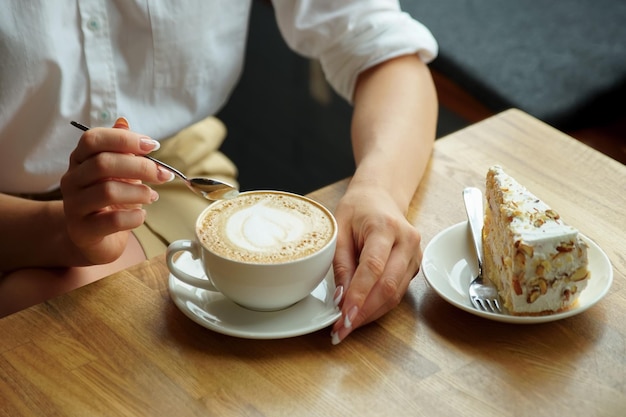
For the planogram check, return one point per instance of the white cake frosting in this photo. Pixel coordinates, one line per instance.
(538, 262)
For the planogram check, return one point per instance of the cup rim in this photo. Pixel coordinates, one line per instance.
(330, 215)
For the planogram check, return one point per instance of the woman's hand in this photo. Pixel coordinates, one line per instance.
(103, 190)
(393, 131)
(378, 253)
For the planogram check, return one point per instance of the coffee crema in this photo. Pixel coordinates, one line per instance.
(265, 227)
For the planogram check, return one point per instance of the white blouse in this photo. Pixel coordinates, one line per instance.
(163, 64)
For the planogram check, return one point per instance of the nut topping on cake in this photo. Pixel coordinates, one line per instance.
(531, 255)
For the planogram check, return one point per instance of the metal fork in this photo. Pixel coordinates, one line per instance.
(483, 294)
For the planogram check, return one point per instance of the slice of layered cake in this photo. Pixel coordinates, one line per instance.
(538, 263)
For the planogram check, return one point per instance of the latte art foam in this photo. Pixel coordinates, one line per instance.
(265, 227)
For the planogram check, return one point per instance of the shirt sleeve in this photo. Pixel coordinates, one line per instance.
(350, 36)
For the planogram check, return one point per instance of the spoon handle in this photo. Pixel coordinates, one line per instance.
(473, 199)
(166, 166)
(79, 125)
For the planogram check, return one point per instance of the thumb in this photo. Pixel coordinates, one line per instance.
(121, 123)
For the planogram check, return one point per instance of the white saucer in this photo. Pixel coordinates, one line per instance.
(215, 312)
(449, 264)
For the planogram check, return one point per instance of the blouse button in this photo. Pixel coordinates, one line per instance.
(105, 116)
(93, 24)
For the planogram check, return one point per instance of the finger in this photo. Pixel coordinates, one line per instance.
(372, 262)
(344, 262)
(108, 194)
(93, 228)
(121, 123)
(402, 265)
(386, 293)
(109, 165)
(97, 140)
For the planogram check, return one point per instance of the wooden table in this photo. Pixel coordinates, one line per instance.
(120, 347)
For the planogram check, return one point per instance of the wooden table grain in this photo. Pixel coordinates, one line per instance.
(120, 347)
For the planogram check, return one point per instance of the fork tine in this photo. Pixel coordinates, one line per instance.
(476, 303)
(491, 305)
(485, 304)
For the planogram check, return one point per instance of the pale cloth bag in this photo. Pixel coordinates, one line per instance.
(194, 152)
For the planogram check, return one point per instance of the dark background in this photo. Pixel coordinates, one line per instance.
(279, 136)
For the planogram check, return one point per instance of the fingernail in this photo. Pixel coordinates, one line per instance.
(154, 196)
(334, 338)
(121, 123)
(164, 174)
(338, 295)
(147, 144)
(347, 321)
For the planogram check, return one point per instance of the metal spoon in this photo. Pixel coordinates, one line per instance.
(209, 188)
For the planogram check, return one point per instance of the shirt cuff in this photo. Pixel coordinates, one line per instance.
(391, 36)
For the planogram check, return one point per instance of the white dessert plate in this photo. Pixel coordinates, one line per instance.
(216, 312)
(449, 264)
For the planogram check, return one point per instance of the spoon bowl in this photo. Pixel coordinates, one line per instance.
(209, 188)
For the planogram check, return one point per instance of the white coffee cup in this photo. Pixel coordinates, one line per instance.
(264, 250)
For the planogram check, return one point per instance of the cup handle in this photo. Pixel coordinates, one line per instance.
(195, 249)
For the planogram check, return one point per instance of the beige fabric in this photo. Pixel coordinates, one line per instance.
(193, 151)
